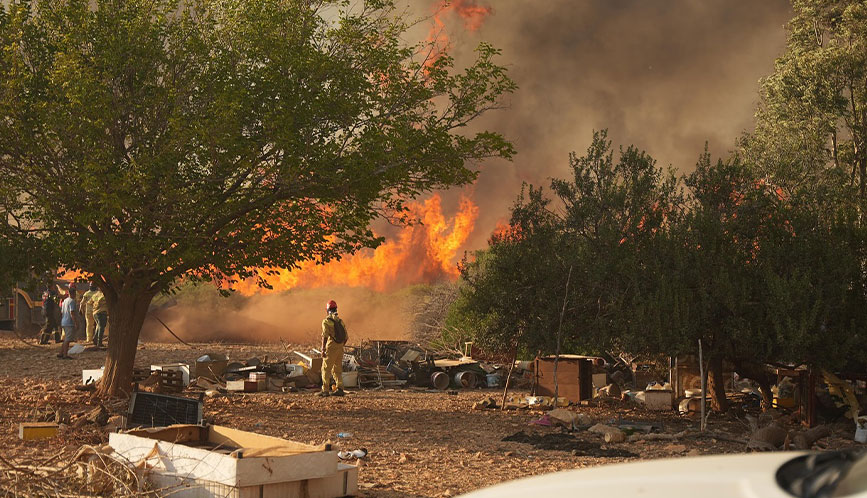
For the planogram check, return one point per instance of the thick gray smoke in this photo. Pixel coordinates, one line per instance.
(665, 75)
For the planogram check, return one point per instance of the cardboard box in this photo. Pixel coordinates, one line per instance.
(213, 367)
(314, 374)
(658, 399)
(600, 380)
(247, 386)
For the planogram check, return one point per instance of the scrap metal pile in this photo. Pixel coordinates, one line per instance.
(373, 364)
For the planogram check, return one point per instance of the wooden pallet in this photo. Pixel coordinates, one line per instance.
(140, 373)
(171, 381)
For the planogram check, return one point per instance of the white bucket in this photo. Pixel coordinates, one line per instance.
(493, 380)
(350, 379)
(861, 430)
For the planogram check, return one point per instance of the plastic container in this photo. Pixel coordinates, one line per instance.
(344, 435)
(493, 380)
(350, 379)
(76, 349)
(861, 430)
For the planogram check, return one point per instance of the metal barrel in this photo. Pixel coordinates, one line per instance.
(466, 380)
(439, 380)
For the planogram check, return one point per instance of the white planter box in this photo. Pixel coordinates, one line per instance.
(343, 483)
(216, 455)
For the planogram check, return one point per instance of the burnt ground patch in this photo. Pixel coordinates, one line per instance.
(567, 442)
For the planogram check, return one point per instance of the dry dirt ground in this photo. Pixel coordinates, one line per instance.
(420, 443)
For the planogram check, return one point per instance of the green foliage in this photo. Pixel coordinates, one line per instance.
(811, 124)
(722, 255)
(604, 219)
(158, 139)
(148, 140)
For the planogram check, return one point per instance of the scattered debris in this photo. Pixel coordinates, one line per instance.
(611, 391)
(485, 404)
(569, 419)
(544, 421)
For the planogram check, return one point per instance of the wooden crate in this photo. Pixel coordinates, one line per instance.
(574, 377)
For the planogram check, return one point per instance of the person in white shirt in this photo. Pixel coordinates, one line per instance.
(68, 322)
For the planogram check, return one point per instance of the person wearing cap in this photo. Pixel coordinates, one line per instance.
(333, 338)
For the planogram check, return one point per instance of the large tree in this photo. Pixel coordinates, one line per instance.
(577, 257)
(150, 140)
(811, 124)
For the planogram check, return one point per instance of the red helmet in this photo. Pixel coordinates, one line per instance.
(331, 305)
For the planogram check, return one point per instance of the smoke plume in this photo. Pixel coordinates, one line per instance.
(666, 76)
(293, 316)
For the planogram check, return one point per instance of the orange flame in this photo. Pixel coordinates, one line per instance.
(421, 253)
(469, 11)
(472, 14)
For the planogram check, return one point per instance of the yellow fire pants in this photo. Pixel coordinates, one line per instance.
(332, 366)
(91, 326)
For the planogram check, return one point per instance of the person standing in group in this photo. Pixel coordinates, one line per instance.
(100, 314)
(334, 337)
(68, 322)
(49, 311)
(86, 308)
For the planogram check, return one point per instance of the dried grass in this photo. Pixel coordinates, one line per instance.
(90, 471)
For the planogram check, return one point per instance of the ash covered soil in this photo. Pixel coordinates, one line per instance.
(420, 443)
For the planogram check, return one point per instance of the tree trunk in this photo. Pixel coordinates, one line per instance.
(127, 311)
(716, 386)
(761, 376)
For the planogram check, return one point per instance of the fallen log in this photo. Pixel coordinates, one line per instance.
(662, 437)
(769, 438)
(805, 440)
(615, 436)
(685, 434)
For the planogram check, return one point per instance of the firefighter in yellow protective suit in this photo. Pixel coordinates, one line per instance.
(333, 338)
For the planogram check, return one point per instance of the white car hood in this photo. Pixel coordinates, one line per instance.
(731, 476)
